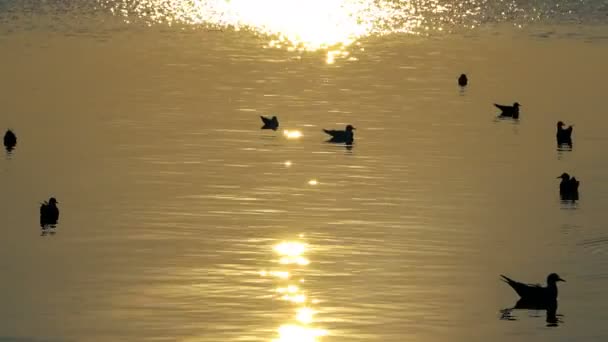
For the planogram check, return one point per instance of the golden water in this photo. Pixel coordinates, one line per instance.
(181, 220)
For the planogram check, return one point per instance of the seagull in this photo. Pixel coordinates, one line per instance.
(462, 80)
(535, 293)
(509, 111)
(49, 213)
(564, 135)
(568, 187)
(346, 136)
(10, 140)
(270, 123)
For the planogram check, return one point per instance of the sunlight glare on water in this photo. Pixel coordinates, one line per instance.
(328, 25)
(300, 327)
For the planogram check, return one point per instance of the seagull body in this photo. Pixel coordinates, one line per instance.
(568, 187)
(564, 135)
(509, 111)
(270, 123)
(10, 140)
(531, 293)
(463, 80)
(346, 136)
(49, 213)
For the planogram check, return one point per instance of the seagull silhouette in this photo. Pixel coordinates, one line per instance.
(49, 213)
(509, 111)
(270, 123)
(564, 135)
(535, 293)
(463, 80)
(346, 136)
(568, 187)
(10, 140)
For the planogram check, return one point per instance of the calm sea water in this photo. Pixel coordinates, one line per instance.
(181, 220)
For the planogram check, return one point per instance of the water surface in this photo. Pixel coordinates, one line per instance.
(182, 220)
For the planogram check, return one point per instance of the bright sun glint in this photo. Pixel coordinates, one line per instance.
(303, 25)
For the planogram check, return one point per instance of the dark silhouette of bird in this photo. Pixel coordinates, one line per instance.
(270, 123)
(463, 80)
(564, 135)
(568, 187)
(49, 213)
(346, 136)
(509, 111)
(10, 140)
(531, 293)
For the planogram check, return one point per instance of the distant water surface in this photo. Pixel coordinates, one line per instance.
(181, 220)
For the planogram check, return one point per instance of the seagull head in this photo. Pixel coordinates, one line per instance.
(349, 128)
(564, 176)
(554, 278)
(560, 124)
(516, 105)
(53, 201)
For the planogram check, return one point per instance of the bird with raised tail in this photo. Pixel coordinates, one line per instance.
(270, 123)
(346, 136)
(535, 292)
(509, 111)
(564, 135)
(568, 187)
(49, 213)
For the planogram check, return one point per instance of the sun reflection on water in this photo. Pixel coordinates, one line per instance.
(300, 327)
(312, 25)
(293, 134)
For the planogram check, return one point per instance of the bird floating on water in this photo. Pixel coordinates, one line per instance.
(10, 140)
(463, 80)
(568, 187)
(49, 213)
(509, 111)
(346, 136)
(564, 135)
(270, 123)
(535, 293)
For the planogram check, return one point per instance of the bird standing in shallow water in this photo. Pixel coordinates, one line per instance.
(10, 140)
(536, 293)
(564, 135)
(568, 187)
(347, 136)
(509, 111)
(270, 123)
(463, 80)
(49, 213)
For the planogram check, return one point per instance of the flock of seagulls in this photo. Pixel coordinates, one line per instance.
(533, 295)
(536, 294)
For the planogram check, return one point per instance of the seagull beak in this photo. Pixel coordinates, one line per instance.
(560, 279)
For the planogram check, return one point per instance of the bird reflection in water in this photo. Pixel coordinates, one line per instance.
(300, 327)
(551, 317)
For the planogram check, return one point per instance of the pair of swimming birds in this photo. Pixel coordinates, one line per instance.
(346, 136)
